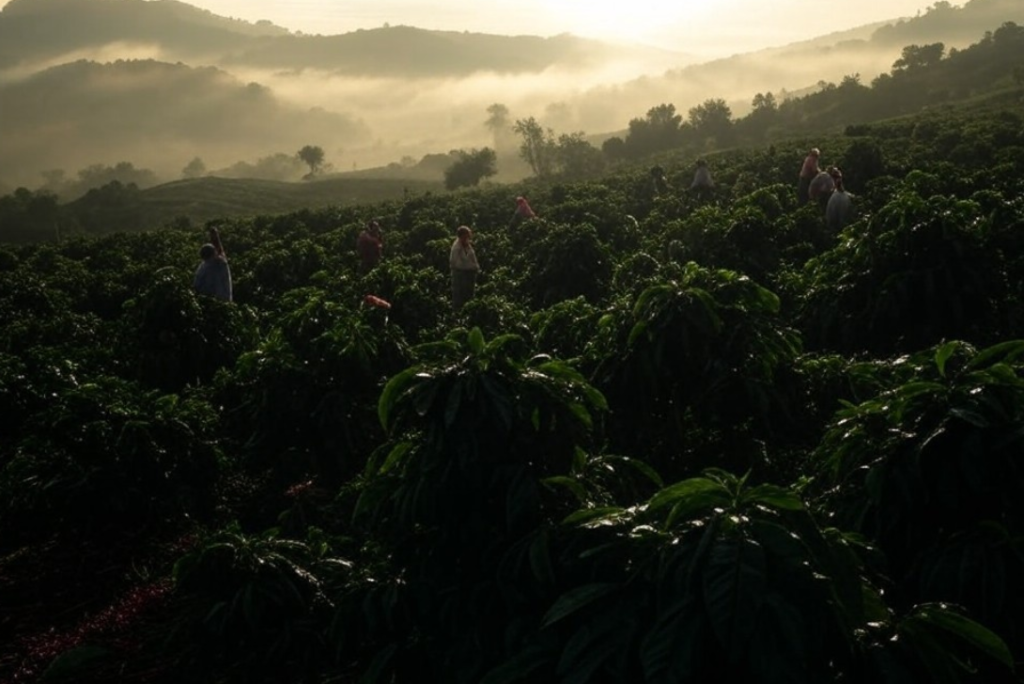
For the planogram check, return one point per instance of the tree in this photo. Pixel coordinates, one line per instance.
(614, 148)
(278, 166)
(313, 155)
(577, 158)
(194, 169)
(712, 120)
(538, 146)
(917, 56)
(765, 102)
(28, 216)
(470, 168)
(497, 118)
(658, 130)
(98, 175)
(498, 124)
(765, 112)
(54, 180)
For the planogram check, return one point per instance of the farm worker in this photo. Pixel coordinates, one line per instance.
(370, 246)
(213, 276)
(821, 188)
(808, 171)
(702, 184)
(839, 212)
(374, 300)
(523, 212)
(464, 267)
(659, 183)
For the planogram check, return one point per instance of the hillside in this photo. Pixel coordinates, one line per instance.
(866, 52)
(203, 199)
(670, 438)
(45, 32)
(160, 84)
(35, 32)
(75, 114)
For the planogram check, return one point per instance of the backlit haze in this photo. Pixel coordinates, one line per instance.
(408, 117)
(711, 28)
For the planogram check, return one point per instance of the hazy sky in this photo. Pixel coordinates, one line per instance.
(710, 27)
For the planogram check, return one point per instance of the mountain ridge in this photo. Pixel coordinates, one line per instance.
(259, 100)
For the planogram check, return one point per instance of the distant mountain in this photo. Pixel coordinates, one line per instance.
(407, 52)
(45, 31)
(801, 67)
(73, 115)
(953, 26)
(160, 82)
(34, 31)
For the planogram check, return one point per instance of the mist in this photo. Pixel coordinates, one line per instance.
(190, 93)
(369, 122)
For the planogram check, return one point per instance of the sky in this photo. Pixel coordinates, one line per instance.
(710, 28)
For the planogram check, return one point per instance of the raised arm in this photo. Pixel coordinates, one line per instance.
(215, 241)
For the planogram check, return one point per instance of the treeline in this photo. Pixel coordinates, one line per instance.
(924, 77)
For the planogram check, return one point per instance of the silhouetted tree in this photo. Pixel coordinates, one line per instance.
(27, 216)
(712, 119)
(764, 114)
(313, 155)
(917, 56)
(279, 166)
(537, 147)
(99, 175)
(470, 168)
(577, 158)
(658, 130)
(194, 169)
(614, 148)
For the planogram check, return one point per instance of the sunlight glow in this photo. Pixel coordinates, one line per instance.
(623, 21)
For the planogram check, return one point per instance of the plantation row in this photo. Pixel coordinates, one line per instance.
(669, 440)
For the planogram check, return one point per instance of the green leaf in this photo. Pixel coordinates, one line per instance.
(569, 483)
(395, 456)
(1004, 352)
(779, 644)
(638, 330)
(942, 355)
(691, 495)
(378, 666)
(918, 640)
(519, 667)
(576, 599)
(475, 341)
(69, 666)
(594, 516)
(969, 631)
(672, 648)
(734, 590)
(590, 646)
(540, 559)
(644, 469)
(582, 414)
(774, 497)
(500, 401)
(395, 387)
(423, 394)
(452, 405)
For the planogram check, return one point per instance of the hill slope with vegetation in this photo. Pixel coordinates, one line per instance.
(925, 78)
(672, 438)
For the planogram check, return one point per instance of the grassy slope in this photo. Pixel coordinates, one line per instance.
(202, 199)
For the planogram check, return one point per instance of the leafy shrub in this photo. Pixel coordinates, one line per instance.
(105, 455)
(927, 467)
